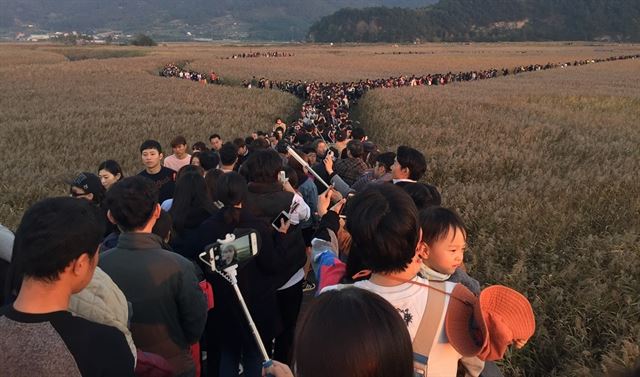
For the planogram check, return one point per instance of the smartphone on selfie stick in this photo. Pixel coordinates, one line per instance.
(223, 257)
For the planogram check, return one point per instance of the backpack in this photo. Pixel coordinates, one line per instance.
(428, 328)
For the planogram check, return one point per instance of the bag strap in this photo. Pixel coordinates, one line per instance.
(429, 326)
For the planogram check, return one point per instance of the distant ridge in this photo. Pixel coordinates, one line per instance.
(485, 20)
(280, 20)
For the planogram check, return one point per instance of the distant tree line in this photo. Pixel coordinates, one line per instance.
(142, 40)
(485, 20)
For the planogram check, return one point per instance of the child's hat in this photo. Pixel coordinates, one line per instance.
(487, 325)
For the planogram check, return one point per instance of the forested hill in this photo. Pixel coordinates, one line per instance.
(180, 19)
(485, 20)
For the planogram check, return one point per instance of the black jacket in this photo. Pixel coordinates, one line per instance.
(266, 201)
(184, 241)
(258, 280)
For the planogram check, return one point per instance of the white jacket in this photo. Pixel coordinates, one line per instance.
(103, 302)
(6, 243)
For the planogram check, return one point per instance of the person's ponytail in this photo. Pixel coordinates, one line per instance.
(232, 190)
(231, 215)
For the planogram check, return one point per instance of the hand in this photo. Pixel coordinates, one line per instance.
(328, 164)
(336, 196)
(338, 206)
(324, 200)
(277, 370)
(519, 343)
(284, 226)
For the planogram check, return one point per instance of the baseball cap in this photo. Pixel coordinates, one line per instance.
(485, 326)
(89, 182)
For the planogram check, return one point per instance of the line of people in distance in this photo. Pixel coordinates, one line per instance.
(384, 257)
(171, 70)
(259, 54)
(174, 70)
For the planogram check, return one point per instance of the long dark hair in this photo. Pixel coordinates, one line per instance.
(231, 189)
(369, 338)
(211, 178)
(190, 195)
(112, 167)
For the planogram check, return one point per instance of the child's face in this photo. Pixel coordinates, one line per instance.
(445, 255)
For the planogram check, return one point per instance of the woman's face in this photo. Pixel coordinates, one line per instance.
(228, 254)
(195, 161)
(107, 179)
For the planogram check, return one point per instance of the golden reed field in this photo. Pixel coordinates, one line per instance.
(544, 166)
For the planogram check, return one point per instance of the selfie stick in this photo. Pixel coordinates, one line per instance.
(231, 275)
(306, 165)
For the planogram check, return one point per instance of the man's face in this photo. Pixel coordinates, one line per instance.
(321, 150)
(151, 158)
(398, 172)
(216, 143)
(312, 158)
(378, 170)
(180, 150)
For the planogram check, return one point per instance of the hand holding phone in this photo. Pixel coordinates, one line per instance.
(282, 222)
(324, 200)
(282, 177)
(328, 163)
(344, 205)
(331, 155)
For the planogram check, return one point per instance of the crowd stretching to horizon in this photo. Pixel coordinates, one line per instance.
(321, 96)
(113, 278)
(258, 54)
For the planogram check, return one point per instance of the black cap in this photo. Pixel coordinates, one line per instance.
(89, 182)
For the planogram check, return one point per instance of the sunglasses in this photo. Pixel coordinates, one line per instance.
(74, 194)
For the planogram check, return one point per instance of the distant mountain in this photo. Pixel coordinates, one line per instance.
(173, 19)
(485, 20)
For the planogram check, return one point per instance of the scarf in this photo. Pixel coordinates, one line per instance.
(431, 274)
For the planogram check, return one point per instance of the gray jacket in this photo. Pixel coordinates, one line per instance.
(169, 308)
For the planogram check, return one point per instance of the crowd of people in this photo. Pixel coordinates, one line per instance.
(116, 277)
(173, 70)
(326, 104)
(258, 54)
(128, 291)
(405, 53)
(329, 101)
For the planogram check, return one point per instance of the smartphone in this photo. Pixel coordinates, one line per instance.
(276, 224)
(222, 255)
(331, 155)
(349, 196)
(282, 177)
